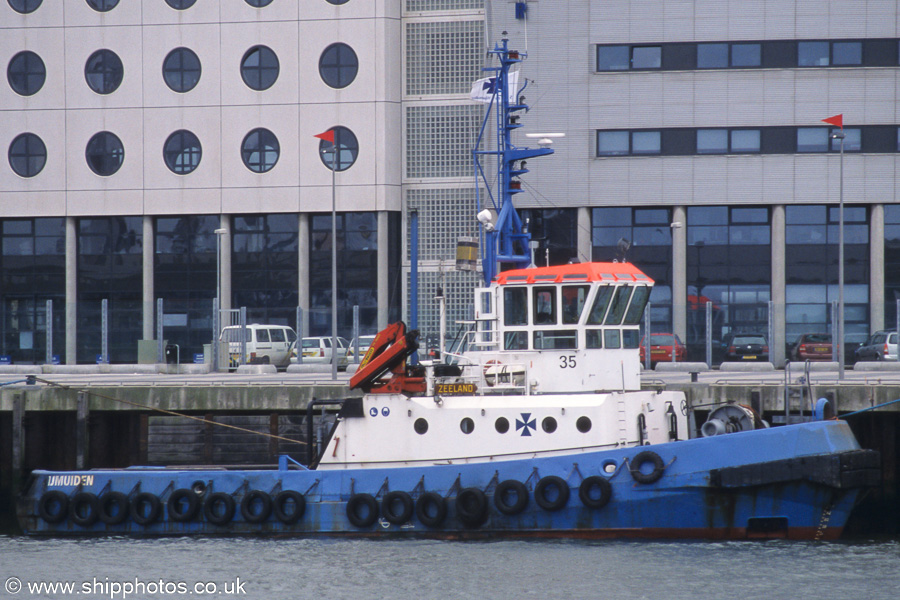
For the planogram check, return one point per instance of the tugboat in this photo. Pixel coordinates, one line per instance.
(535, 427)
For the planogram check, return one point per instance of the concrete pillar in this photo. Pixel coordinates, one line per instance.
(383, 270)
(303, 273)
(18, 438)
(225, 258)
(82, 443)
(71, 290)
(679, 272)
(877, 308)
(584, 235)
(148, 304)
(779, 297)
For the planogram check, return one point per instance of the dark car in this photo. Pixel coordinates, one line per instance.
(811, 346)
(881, 345)
(746, 346)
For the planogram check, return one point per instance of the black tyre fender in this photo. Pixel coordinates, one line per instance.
(49, 500)
(113, 508)
(84, 509)
(644, 457)
(183, 513)
(210, 508)
(137, 509)
(390, 501)
(471, 506)
(431, 509)
(503, 490)
(280, 503)
(265, 506)
(585, 491)
(370, 510)
(547, 483)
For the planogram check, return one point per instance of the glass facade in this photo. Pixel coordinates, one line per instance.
(649, 234)
(109, 268)
(811, 270)
(264, 267)
(185, 278)
(891, 263)
(556, 229)
(32, 271)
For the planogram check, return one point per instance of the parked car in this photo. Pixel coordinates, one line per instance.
(881, 345)
(266, 344)
(746, 346)
(661, 348)
(318, 350)
(811, 346)
(364, 342)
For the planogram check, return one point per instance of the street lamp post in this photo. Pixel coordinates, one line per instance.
(839, 135)
(217, 318)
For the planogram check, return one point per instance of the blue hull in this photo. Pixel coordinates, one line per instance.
(799, 482)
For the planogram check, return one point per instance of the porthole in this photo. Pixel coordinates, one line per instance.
(467, 425)
(27, 155)
(337, 2)
(26, 73)
(609, 466)
(259, 68)
(583, 424)
(421, 426)
(259, 3)
(260, 150)
(338, 65)
(181, 4)
(182, 152)
(501, 425)
(181, 70)
(102, 5)
(348, 149)
(25, 6)
(548, 424)
(103, 71)
(104, 153)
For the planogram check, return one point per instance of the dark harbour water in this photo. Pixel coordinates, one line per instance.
(296, 569)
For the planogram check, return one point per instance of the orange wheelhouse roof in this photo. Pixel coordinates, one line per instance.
(575, 273)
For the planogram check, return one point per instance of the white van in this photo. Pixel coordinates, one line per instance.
(266, 344)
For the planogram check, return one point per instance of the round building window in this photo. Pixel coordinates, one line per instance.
(26, 73)
(102, 5)
(25, 6)
(103, 71)
(181, 4)
(501, 425)
(259, 3)
(260, 150)
(104, 153)
(337, 1)
(182, 152)
(338, 65)
(348, 149)
(27, 155)
(259, 68)
(181, 70)
(548, 424)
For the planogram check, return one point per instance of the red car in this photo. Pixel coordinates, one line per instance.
(661, 348)
(812, 346)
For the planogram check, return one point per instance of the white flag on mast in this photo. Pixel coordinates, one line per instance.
(483, 90)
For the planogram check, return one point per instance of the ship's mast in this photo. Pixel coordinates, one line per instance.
(506, 241)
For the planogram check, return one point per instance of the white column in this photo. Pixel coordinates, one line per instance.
(679, 272)
(225, 258)
(383, 268)
(303, 273)
(779, 287)
(148, 305)
(584, 235)
(876, 269)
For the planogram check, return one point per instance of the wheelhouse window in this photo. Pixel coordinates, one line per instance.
(612, 338)
(515, 306)
(565, 339)
(515, 340)
(544, 306)
(638, 303)
(593, 338)
(574, 298)
(601, 303)
(619, 304)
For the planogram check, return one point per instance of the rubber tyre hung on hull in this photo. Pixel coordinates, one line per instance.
(369, 513)
(138, 503)
(431, 509)
(282, 501)
(551, 502)
(640, 459)
(50, 500)
(471, 506)
(113, 508)
(84, 509)
(183, 505)
(502, 493)
(212, 505)
(586, 492)
(397, 499)
(256, 498)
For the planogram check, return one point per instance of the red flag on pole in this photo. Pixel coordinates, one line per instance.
(328, 136)
(836, 120)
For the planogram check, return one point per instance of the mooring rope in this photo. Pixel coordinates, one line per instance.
(870, 408)
(165, 411)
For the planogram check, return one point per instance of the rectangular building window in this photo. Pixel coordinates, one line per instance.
(812, 54)
(712, 56)
(746, 55)
(712, 141)
(613, 58)
(846, 53)
(646, 57)
(812, 139)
